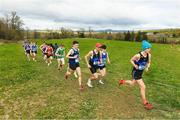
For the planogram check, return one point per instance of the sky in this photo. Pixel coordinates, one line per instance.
(97, 14)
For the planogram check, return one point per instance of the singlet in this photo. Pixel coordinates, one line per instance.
(49, 50)
(34, 47)
(142, 62)
(44, 48)
(27, 47)
(95, 59)
(60, 51)
(104, 58)
(76, 55)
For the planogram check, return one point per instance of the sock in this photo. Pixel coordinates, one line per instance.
(145, 101)
(122, 81)
(89, 80)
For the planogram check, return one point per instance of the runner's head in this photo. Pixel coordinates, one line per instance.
(98, 46)
(103, 47)
(49, 45)
(75, 44)
(146, 46)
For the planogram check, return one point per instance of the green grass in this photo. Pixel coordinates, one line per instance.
(33, 90)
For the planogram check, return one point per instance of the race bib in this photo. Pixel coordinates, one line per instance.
(141, 67)
(77, 60)
(95, 62)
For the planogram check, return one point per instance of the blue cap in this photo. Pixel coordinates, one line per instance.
(146, 45)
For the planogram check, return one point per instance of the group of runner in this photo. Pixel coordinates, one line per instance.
(30, 49)
(96, 60)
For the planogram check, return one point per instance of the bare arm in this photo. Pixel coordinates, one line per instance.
(56, 53)
(40, 47)
(87, 57)
(69, 53)
(149, 63)
(135, 58)
(101, 61)
(108, 58)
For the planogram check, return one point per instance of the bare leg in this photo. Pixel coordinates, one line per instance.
(34, 56)
(62, 63)
(93, 77)
(75, 74)
(102, 75)
(142, 90)
(58, 64)
(68, 73)
(78, 70)
(28, 56)
(130, 82)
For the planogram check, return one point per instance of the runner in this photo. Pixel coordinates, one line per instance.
(43, 49)
(27, 48)
(73, 56)
(49, 51)
(60, 53)
(34, 51)
(93, 61)
(140, 62)
(102, 66)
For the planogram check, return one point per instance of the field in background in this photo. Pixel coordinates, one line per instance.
(34, 90)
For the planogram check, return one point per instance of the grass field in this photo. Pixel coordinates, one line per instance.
(34, 90)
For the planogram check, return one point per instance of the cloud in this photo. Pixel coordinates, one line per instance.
(114, 14)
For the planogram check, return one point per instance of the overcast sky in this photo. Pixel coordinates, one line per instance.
(98, 14)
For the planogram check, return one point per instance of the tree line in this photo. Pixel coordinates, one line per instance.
(11, 27)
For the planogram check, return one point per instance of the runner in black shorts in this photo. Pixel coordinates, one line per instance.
(93, 60)
(34, 48)
(43, 48)
(140, 62)
(102, 66)
(137, 74)
(73, 56)
(49, 51)
(27, 48)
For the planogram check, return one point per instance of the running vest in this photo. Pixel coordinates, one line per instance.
(60, 51)
(104, 58)
(27, 47)
(44, 48)
(95, 59)
(76, 55)
(34, 47)
(50, 50)
(142, 62)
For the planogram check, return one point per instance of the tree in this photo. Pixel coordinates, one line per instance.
(66, 33)
(132, 36)
(144, 36)
(139, 36)
(36, 34)
(128, 36)
(27, 33)
(11, 27)
(81, 33)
